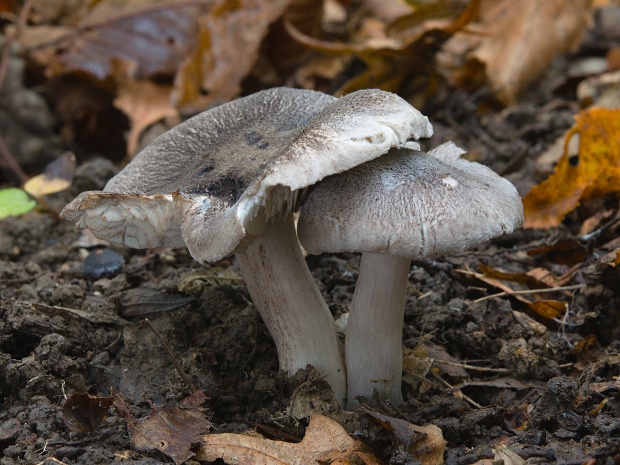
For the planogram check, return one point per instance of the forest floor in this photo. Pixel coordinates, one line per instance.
(481, 363)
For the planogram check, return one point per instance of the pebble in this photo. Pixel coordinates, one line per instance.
(103, 263)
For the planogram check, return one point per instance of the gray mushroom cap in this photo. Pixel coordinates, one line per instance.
(411, 204)
(221, 175)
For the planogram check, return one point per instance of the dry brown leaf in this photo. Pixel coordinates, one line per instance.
(425, 443)
(536, 278)
(521, 37)
(172, 431)
(548, 309)
(325, 442)
(144, 102)
(226, 49)
(394, 62)
(154, 35)
(284, 52)
(563, 251)
(85, 413)
(594, 171)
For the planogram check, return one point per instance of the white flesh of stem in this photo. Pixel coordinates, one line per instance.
(373, 343)
(291, 305)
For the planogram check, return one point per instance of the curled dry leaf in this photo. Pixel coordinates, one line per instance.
(325, 442)
(425, 443)
(393, 61)
(593, 172)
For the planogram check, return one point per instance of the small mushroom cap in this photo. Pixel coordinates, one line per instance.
(410, 204)
(221, 175)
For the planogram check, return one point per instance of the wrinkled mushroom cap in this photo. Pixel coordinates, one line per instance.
(410, 204)
(221, 175)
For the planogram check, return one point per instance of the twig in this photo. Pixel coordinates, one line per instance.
(462, 394)
(533, 291)
(8, 158)
(166, 348)
(474, 367)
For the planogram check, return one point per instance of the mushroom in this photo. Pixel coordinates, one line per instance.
(228, 180)
(403, 205)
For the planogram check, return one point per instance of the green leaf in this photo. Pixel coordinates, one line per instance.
(14, 202)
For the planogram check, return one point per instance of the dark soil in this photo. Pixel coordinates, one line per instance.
(548, 389)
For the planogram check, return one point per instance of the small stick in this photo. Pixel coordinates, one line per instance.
(166, 348)
(10, 160)
(533, 291)
(466, 398)
(473, 367)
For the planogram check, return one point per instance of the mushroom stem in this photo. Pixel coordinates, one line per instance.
(373, 343)
(291, 305)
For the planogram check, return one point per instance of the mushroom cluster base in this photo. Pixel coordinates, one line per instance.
(291, 305)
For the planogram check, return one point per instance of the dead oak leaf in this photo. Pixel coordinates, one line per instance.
(595, 171)
(326, 442)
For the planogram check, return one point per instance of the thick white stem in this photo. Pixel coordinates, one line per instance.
(291, 305)
(373, 343)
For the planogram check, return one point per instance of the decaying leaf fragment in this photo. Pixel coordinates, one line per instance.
(325, 442)
(171, 431)
(144, 102)
(425, 443)
(85, 413)
(593, 172)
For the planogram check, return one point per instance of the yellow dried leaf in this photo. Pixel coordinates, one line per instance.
(325, 442)
(549, 309)
(595, 171)
(57, 177)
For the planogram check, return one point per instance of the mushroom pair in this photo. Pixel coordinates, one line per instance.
(228, 180)
(404, 205)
